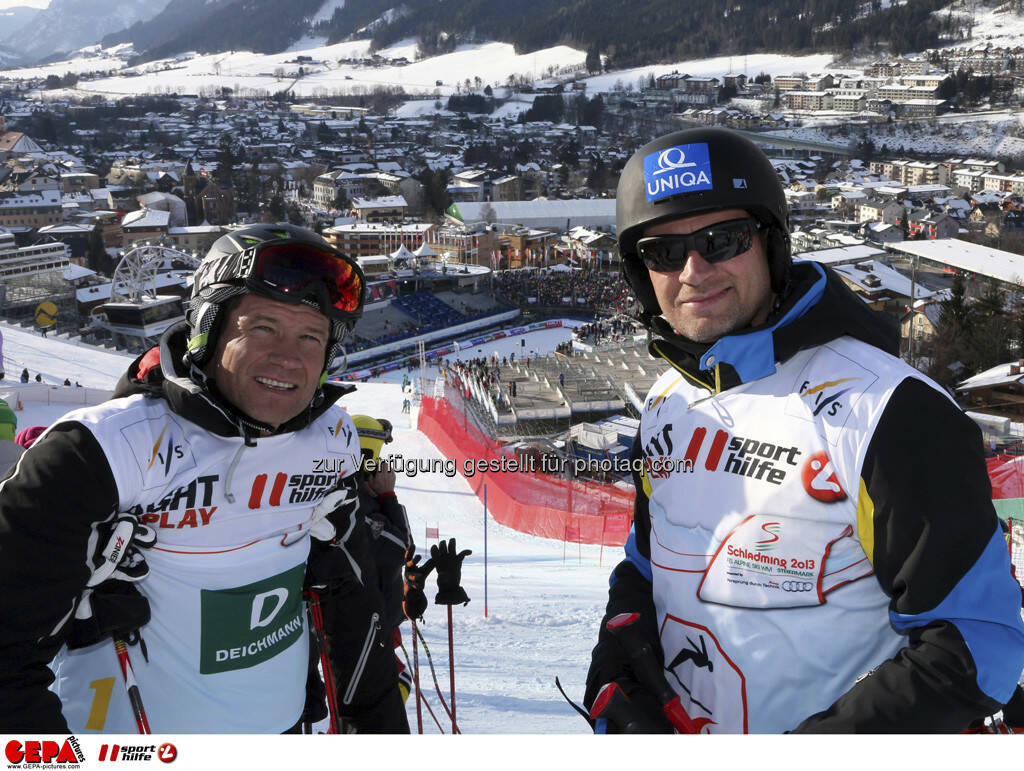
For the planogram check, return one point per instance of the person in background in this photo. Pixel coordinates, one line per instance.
(27, 436)
(10, 451)
(362, 605)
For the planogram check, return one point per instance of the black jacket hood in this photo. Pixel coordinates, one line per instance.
(818, 308)
(161, 374)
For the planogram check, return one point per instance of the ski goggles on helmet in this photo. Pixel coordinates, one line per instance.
(383, 433)
(715, 243)
(295, 271)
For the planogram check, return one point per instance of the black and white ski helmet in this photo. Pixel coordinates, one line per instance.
(222, 275)
(693, 172)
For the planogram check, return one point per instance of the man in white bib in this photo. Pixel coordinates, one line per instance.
(814, 546)
(176, 516)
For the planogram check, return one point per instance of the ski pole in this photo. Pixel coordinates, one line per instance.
(651, 674)
(437, 685)
(130, 684)
(416, 677)
(451, 664)
(317, 618)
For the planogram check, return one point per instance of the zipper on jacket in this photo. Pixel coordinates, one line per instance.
(231, 472)
(709, 386)
(364, 655)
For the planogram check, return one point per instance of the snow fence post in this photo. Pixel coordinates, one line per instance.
(485, 551)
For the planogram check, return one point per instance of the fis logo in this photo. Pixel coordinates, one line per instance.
(678, 169)
(341, 428)
(820, 401)
(820, 480)
(745, 457)
(165, 453)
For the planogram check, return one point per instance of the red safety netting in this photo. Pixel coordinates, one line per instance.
(528, 501)
(1006, 472)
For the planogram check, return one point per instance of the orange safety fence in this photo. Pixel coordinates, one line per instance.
(529, 501)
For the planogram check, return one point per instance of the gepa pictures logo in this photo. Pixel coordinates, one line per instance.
(677, 169)
(33, 752)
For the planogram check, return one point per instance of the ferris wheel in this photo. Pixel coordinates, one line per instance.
(135, 275)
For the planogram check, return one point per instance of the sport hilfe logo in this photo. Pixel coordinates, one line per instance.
(677, 169)
(820, 480)
(744, 456)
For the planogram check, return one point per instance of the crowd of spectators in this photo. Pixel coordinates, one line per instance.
(601, 291)
(614, 330)
(431, 314)
(484, 372)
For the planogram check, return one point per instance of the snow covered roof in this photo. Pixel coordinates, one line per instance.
(841, 254)
(1000, 374)
(888, 280)
(385, 202)
(975, 258)
(540, 213)
(146, 219)
(73, 272)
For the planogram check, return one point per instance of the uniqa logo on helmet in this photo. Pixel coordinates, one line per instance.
(677, 169)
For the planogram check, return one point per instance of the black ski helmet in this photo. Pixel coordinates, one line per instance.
(222, 273)
(693, 172)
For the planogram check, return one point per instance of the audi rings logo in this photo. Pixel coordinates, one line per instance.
(797, 586)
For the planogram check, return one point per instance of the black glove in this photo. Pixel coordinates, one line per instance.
(611, 663)
(111, 606)
(414, 603)
(628, 708)
(449, 573)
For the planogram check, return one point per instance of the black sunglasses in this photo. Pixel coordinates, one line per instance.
(715, 243)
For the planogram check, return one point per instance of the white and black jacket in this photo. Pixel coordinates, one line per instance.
(814, 543)
(226, 645)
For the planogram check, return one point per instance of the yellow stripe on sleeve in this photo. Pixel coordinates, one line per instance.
(866, 522)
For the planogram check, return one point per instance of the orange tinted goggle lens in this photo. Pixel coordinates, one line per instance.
(297, 270)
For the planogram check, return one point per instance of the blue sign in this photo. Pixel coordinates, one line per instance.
(677, 169)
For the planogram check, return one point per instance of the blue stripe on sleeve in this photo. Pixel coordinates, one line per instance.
(640, 562)
(985, 607)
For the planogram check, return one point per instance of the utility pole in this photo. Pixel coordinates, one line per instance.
(913, 310)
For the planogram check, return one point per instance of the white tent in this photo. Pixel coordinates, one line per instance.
(402, 253)
(424, 251)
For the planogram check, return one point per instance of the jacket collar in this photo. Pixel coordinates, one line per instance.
(818, 308)
(161, 373)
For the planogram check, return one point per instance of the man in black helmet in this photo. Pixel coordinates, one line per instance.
(814, 546)
(176, 516)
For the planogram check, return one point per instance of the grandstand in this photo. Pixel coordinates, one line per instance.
(554, 392)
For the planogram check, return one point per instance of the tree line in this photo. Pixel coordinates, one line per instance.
(632, 33)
